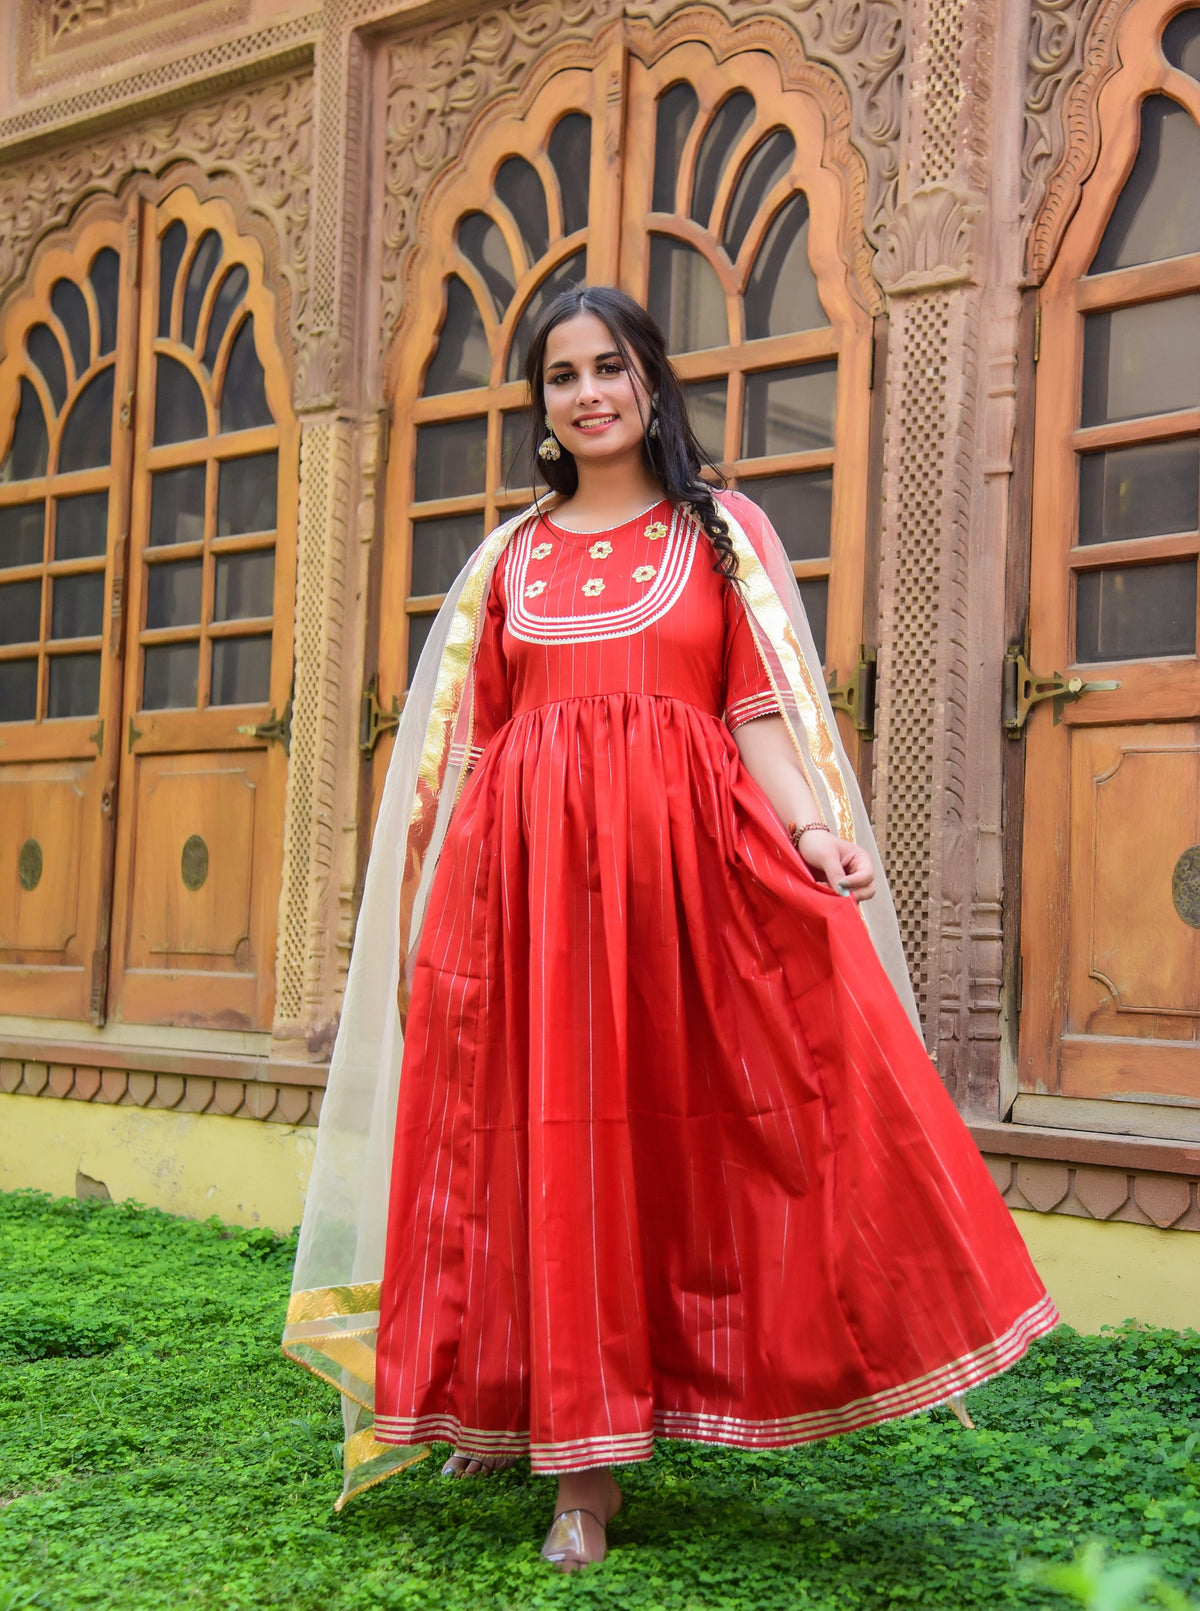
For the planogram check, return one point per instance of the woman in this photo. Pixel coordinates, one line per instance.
(670, 1160)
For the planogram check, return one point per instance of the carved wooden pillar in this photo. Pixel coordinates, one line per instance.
(951, 270)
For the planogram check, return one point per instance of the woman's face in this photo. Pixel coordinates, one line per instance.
(592, 399)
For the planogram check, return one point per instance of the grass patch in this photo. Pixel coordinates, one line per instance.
(156, 1451)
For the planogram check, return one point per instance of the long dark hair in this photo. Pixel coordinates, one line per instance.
(674, 454)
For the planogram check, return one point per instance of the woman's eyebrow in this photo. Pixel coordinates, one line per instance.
(565, 363)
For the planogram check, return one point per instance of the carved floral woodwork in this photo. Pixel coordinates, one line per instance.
(59, 39)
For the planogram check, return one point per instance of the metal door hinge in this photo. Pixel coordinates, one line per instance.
(278, 730)
(374, 720)
(135, 733)
(1023, 689)
(856, 696)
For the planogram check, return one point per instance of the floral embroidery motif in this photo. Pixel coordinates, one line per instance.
(643, 573)
(593, 587)
(534, 588)
(655, 531)
(542, 551)
(600, 550)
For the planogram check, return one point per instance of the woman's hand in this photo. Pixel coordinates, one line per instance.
(838, 861)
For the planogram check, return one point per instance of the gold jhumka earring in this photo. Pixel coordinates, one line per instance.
(548, 447)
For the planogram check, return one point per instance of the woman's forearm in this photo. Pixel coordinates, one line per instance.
(769, 756)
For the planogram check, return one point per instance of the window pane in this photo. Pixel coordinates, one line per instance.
(789, 410)
(781, 295)
(245, 586)
(81, 526)
(1181, 42)
(21, 612)
(814, 595)
(800, 507)
(18, 690)
(462, 358)
(520, 189)
(243, 391)
(451, 459)
(177, 506)
(106, 284)
(677, 109)
(1136, 612)
(173, 593)
(74, 689)
(72, 313)
(29, 450)
(418, 631)
(77, 606)
(225, 305)
(571, 153)
(87, 436)
(179, 411)
(22, 527)
(516, 454)
(246, 494)
(716, 148)
(241, 671)
(440, 550)
(1157, 214)
(482, 244)
(1139, 491)
(170, 676)
(44, 350)
(572, 272)
(1141, 360)
(685, 297)
(204, 263)
(706, 405)
(170, 255)
(768, 164)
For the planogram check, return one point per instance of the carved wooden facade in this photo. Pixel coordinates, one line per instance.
(951, 156)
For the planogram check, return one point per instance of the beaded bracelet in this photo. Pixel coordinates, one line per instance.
(796, 834)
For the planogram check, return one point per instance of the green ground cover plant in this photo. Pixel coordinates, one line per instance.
(156, 1451)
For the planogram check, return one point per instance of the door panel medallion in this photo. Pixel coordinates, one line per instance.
(193, 864)
(1185, 886)
(29, 864)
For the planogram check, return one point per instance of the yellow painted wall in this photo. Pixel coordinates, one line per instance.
(252, 1173)
(245, 1171)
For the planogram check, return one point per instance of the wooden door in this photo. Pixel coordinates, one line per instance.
(1111, 874)
(209, 664)
(64, 484)
(701, 189)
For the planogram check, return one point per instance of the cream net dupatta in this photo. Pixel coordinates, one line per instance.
(333, 1314)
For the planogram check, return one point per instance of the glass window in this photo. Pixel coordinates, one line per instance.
(570, 152)
(170, 676)
(81, 526)
(1181, 42)
(204, 263)
(42, 346)
(179, 411)
(241, 671)
(800, 507)
(814, 595)
(30, 449)
(71, 311)
(174, 593)
(77, 606)
(451, 459)
(170, 255)
(516, 454)
(244, 389)
(520, 189)
(706, 400)
(1141, 360)
(18, 690)
(722, 135)
(247, 492)
(1157, 215)
(245, 586)
(106, 285)
(686, 297)
(462, 359)
(87, 435)
(789, 410)
(22, 534)
(21, 612)
(781, 295)
(440, 549)
(675, 114)
(177, 505)
(419, 627)
(482, 244)
(768, 164)
(226, 303)
(74, 685)
(1141, 612)
(572, 272)
(1145, 491)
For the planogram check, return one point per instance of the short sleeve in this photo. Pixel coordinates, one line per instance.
(748, 690)
(491, 694)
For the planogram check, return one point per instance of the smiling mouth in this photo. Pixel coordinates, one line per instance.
(594, 421)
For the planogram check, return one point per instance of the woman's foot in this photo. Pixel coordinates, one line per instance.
(461, 1464)
(587, 1502)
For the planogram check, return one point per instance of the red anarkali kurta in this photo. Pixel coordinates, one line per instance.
(670, 1159)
